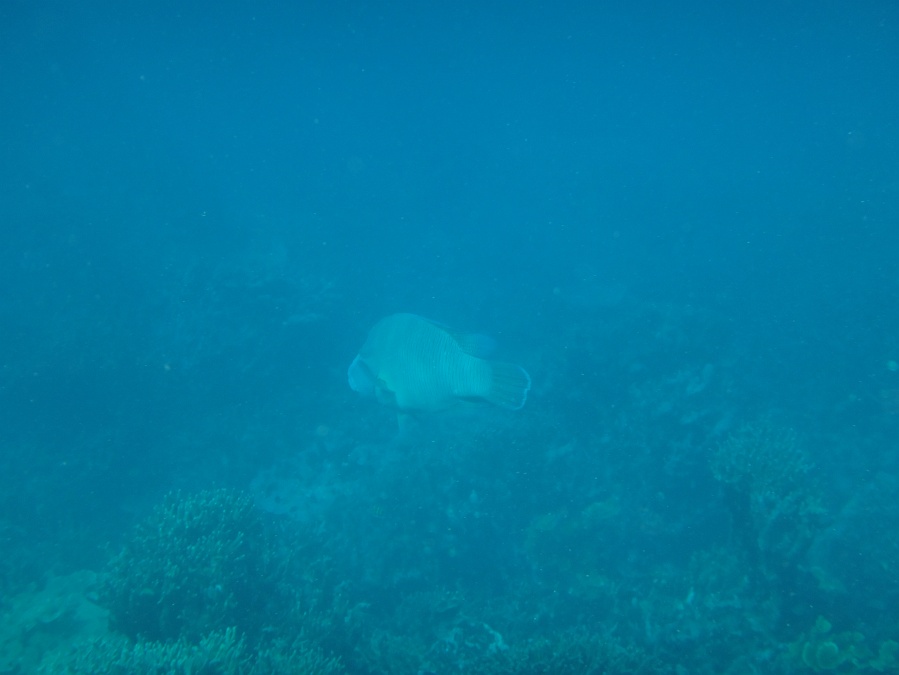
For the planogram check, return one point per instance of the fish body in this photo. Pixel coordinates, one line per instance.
(415, 364)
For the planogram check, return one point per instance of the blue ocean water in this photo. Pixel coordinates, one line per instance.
(682, 219)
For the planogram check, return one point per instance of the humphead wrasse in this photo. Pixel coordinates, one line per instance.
(417, 365)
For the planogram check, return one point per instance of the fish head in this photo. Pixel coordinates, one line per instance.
(363, 381)
(360, 377)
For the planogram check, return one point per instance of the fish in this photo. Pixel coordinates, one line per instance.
(414, 364)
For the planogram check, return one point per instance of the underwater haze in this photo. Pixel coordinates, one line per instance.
(678, 224)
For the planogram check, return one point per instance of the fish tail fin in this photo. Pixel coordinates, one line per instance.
(509, 385)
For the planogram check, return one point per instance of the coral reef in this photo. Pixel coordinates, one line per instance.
(37, 620)
(853, 555)
(440, 631)
(200, 563)
(775, 508)
(215, 653)
(595, 533)
(573, 652)
(821, 649)
(209, 584)
(218, 653)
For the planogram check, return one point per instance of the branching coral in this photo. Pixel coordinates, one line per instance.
(198, 563)
(573, 651)
(218, 653)
(206, 584)
(774, 500)
(761, 458)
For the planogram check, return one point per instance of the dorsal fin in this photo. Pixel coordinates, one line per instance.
(474, 344)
